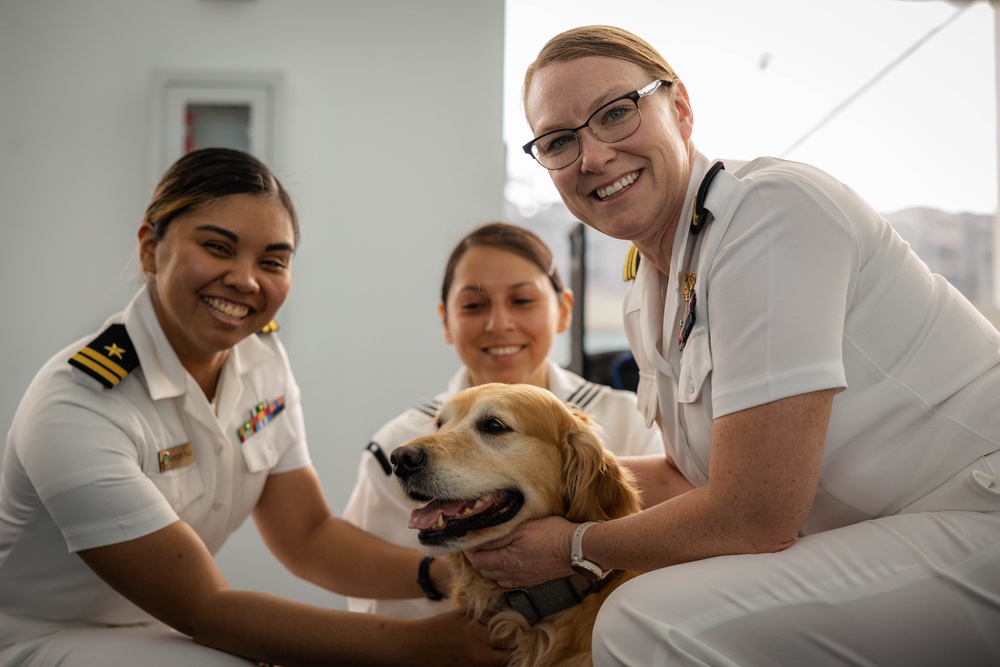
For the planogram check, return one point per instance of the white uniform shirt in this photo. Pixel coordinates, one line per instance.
(82, 468)
(801, 286)
(378, 505)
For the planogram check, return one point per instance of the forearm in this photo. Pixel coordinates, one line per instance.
(680, 530)
(268, 628)
(347, 560)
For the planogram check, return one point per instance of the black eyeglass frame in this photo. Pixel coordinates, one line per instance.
(635, 95)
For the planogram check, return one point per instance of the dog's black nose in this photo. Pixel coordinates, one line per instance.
(407, 460)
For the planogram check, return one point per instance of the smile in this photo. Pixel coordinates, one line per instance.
(504, 351)
(617, 186)
(231, 310)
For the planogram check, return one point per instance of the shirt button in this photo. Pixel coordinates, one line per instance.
(690, 386)
(218, 449)
(218, 506)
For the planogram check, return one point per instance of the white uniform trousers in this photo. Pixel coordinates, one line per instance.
(152, 645)
(910, 589)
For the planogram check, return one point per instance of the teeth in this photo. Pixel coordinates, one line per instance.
(440, 522)
(500, 351)
(228, 309)
(479, 503)
(617, 186)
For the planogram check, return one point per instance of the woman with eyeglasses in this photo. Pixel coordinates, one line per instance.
(830, 408)
(502, 305)
(138, 450)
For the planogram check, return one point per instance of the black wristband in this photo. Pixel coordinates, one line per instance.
(424, 579)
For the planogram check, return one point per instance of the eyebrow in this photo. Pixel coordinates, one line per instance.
(477, 288)
(273, 247)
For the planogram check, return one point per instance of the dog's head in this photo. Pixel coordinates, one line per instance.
(504, 454)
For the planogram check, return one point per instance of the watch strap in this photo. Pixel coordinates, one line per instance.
(578, 561)
(424, 579)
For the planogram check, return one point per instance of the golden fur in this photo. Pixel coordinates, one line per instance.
(497, 442)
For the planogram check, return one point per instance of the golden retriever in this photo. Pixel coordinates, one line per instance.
(504, 454)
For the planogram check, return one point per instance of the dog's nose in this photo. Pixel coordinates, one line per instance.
(407, 460)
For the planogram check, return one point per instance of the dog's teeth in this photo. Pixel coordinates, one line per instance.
(479, 503)
(440, 522)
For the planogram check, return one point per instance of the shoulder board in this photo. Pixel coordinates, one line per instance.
(380, 457)
(632, 258)
(585, 394)
(271, 327)
(109, 357)
(430, 408)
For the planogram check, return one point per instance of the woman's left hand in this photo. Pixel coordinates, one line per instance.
(537, 551)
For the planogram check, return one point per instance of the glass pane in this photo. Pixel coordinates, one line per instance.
(219, 125)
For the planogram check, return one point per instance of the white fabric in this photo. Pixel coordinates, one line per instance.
(800, 286)
(912, 589)
(152, 645)
(81, 469)
(378, 505)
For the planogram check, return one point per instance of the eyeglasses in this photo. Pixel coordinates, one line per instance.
(613, 122)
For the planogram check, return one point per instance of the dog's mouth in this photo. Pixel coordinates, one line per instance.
(442, 521)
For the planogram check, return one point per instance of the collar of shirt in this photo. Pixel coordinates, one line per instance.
(165, 376)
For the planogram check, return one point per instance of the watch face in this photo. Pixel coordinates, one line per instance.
(587, 570)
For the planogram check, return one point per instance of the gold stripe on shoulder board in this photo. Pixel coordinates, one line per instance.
(109, 358)
(271, 327)
(632, 258)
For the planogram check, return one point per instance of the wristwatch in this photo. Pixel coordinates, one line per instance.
(582, 566)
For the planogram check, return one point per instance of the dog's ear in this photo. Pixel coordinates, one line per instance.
(597, 488)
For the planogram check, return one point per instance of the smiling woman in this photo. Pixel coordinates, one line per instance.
(220, 275)
(502, 304)
(128, 467)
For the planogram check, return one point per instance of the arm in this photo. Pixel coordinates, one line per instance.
(657, 476)
(171, 574)
(763, 476)
(302, 532)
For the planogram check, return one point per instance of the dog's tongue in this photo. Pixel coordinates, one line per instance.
(427, 517)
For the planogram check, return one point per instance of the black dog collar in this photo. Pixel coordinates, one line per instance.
(552, 597)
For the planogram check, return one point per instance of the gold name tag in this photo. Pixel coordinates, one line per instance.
(176, 457)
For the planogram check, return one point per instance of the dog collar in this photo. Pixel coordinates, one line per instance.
(552, 597)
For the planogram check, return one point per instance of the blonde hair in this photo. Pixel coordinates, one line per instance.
(599, 40)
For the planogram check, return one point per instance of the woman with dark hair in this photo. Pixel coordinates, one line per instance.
(502, 305)
(137, 451)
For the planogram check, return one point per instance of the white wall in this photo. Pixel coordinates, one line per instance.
(389, 140)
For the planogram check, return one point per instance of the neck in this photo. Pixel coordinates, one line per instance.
(207, 374)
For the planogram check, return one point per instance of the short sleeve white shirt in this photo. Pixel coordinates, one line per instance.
(800, 286)
(82, 467)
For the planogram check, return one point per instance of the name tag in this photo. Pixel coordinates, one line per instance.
(176, 457)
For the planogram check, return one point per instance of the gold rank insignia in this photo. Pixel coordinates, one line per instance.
(109, 358)
(632, 258)
(271, 327)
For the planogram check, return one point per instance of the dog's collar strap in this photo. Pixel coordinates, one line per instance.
(552, 597)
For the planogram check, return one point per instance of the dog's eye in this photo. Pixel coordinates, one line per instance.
(493, 425)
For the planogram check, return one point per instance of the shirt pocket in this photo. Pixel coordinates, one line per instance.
(264, 449)
(696, 364)
(181, 486)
